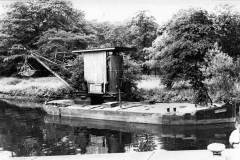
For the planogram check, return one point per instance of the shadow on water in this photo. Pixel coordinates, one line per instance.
(29, 132)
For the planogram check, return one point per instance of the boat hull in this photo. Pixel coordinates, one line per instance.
(136, 116)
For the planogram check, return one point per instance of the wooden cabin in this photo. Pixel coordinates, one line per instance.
(103, 69)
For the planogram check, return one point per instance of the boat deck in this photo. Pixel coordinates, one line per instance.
(161, 108)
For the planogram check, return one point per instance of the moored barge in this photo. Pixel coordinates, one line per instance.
(136, 112)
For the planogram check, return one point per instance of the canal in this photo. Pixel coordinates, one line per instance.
(30, 132)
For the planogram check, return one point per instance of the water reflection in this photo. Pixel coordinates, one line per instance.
(28, 132)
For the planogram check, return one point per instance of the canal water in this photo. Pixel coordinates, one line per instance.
(30, 132)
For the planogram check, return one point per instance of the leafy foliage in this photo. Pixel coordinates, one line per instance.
(46, 27)
(139, 32)
(100, 32)
(131, 70)
(181, 49)
(77, 78)
(221, 73)
(53, 41)
(27, 20)
(142, 31)
(182, 52)
(226, 23)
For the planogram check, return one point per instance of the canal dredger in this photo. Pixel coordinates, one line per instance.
(103, 72)
(162, 113)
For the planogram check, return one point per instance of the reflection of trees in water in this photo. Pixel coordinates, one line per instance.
(179, 143)
(64, 146)
(63, 139)
(86, 140)
(29, 146)
(82, 139)
(115, 142)
(58, 140)
(144, 143)
(21, 131)
(24, 132)
(195, 139)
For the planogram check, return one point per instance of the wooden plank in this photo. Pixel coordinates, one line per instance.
(54, 73)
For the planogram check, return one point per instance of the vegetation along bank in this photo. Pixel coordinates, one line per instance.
(195, 54)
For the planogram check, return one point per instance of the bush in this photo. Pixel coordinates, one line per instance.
(131, 71)
(77, 78)
(221, 74)
(166, 96)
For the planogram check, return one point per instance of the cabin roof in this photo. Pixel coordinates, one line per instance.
(114, 49)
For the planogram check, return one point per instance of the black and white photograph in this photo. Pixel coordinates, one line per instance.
(119, 79)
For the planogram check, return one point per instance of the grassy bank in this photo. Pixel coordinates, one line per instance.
(148, 82)
(34, 87)
(150, 87)
(152, 90)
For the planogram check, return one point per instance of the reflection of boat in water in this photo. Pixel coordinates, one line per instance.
(162, 113)
(169, 137)
(160, 130)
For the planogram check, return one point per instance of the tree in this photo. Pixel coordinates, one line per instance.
(53, 41)
(117, 36)
(46, 27)
(142, 30)
(27, 20)
(221, 73)
(5, 43)
(131, 71)
(110, 35)
(181, 49)
(139, 33)
(226, 23)
(77, 78)
(101, 31)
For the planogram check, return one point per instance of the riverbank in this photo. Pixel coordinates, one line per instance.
(32, 89)
(21, 102)
(44, 89)
(150, 90)
(228, 154)
(23, 99)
